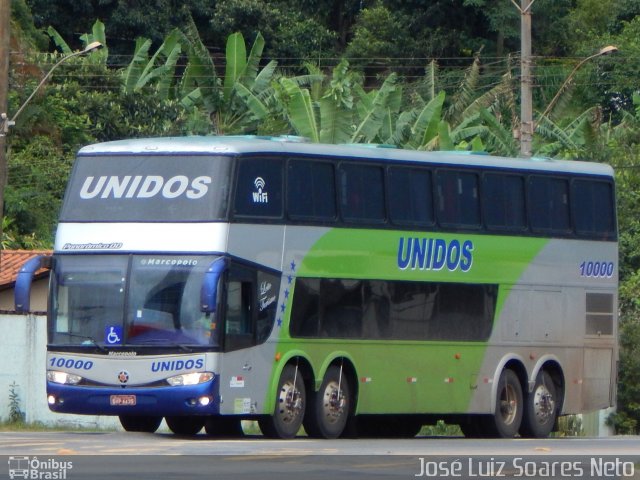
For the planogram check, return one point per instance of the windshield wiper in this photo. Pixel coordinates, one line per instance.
(88, 340)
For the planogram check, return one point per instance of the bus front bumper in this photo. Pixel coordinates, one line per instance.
(202, 399)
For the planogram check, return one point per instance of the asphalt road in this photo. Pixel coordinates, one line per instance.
(79, 455)
(122, 443)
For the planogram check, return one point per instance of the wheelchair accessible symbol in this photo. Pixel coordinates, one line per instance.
(113, 335)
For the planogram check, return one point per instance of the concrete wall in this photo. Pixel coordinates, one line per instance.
(23, 340)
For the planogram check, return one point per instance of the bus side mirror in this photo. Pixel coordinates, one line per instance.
(209, 290)
(22, 289)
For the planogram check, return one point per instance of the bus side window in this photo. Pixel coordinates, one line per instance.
(268, 288)
(410, 196)
(504, 202)
(362, 193)
(311, 191)
(239, 320)
(593, 209)
(259, 188)
(458, 204)
(548, 202)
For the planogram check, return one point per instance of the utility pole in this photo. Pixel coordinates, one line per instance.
(5, 50)
(526, 95)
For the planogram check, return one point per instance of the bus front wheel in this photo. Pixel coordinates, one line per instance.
(290, 406)
(185, 425)
(541, 408)
(134, 423)
(329, 408)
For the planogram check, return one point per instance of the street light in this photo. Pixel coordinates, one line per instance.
(603, 51)
(6, 123)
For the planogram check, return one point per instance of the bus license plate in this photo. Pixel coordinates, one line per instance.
(123, 400)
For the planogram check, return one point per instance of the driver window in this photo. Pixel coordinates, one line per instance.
(239, 308)
(239, 319)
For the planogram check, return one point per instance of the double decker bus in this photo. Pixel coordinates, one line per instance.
(349, 290)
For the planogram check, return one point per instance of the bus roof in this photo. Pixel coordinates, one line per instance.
(236, 145)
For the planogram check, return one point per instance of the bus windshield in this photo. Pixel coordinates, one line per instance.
(132, 300)
(147, 188)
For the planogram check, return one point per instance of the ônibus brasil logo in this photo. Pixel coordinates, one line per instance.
(34, 468)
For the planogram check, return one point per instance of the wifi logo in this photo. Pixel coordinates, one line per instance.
(260, 196)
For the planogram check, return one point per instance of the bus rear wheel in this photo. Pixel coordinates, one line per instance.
(507, 416)
(185, 425)
(541, 408)
(329, 408)
(290, 406)
(134, 423)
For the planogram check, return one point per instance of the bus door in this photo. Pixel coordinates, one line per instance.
(239, 363)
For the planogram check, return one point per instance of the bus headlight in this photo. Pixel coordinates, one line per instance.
(194, 378)
(63, 378)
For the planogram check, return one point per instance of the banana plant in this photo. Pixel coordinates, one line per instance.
(338, 109)
(376, 110)
(321, 111)
(161, 67)
(573, 139)
(97, 35)
(239, 100)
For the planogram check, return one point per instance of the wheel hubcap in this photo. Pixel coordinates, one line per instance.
(543, 404)
(333, 402)
(508, 404)
(290, 403)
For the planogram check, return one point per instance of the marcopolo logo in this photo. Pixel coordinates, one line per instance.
(435, 254)
(149, 186)
(34, 468)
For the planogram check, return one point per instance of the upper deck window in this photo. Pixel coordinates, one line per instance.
(503, 202)
(259, 188)
(549, 205)
(145, 188)
(311, 191)
(593, 208)
(457, 200)
(410, 196)
(361, 193)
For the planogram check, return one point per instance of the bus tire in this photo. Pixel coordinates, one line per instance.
(223, 426)
(185, 425)
(541, 409)
(329, 407)
(134, 423)
(507, 416)
(290, 406)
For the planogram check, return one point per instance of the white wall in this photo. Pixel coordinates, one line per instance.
(23, 345)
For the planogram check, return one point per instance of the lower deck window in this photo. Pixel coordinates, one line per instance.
(378, 309)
